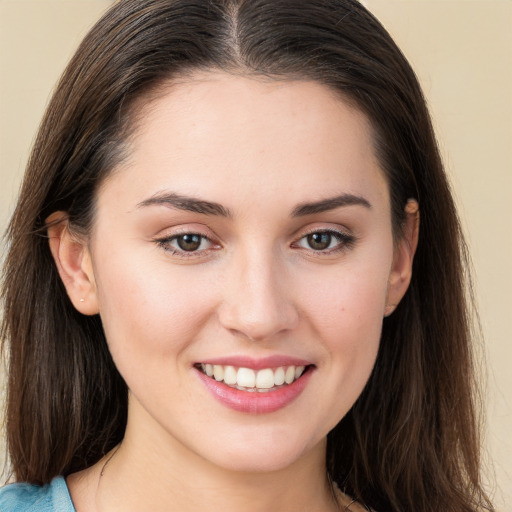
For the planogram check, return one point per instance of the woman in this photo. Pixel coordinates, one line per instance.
(218, 290)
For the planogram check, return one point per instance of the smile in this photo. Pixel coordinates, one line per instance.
(255, 386)
(246, 379)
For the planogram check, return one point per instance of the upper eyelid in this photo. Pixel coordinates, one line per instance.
(172, 236)
(324, 230)
(340, 231)
(176, 231)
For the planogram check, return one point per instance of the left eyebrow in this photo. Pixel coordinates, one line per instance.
(330, 203)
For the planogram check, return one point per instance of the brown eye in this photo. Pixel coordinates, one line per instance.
(326, 242)
(319, 241)
(189, 242)
(187, 245)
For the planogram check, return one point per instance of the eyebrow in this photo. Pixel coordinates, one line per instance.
(187, 203)
(193, 204)
(330, 203)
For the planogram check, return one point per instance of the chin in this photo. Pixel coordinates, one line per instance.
(257, 456)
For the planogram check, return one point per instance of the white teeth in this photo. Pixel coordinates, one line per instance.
(230, 375)
(279, 377)
(289, 376)
(265, 379)
(218, 372)
(247, 379)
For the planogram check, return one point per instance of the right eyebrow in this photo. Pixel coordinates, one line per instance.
(187, 203)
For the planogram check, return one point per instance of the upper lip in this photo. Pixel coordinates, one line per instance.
(274, 361)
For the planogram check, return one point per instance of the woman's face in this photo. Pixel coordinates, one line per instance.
(249, 235)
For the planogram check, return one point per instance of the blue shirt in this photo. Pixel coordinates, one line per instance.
(21, 497)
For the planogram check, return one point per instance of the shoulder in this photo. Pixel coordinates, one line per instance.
(22, 497)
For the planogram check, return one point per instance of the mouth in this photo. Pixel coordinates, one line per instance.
(255, 386)
(264, 380)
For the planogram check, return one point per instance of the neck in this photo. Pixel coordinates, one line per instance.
(155, 479)
(156, 472)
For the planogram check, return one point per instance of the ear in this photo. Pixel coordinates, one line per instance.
(401, 272)
(74, 264)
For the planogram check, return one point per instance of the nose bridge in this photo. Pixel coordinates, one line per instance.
(257, 303)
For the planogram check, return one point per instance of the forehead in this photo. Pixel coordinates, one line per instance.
(244, 134)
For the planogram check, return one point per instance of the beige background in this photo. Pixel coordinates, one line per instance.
(462, 53)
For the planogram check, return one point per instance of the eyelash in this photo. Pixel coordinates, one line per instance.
(344, 241)
(181, 253)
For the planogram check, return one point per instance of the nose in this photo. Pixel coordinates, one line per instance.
(257, 302)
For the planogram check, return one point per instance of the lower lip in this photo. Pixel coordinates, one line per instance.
(255, 402)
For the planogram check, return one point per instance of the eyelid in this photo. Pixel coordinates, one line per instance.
(164, 242)
(345, 238)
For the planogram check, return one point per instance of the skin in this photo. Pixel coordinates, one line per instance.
(255, 287)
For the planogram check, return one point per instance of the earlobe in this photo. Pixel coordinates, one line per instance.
(73, 261)
(401, 272)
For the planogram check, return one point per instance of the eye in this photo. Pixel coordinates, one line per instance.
(325, 241)
(186, 243)
(189, 242)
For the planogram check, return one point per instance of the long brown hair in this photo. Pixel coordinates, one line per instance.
(411, 441)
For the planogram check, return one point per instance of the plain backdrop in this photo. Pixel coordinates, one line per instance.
(462, 53)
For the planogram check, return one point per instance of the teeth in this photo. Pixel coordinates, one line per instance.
(279, 377)
(289, 376)
(265, 379)
(247, 379)
(218, 372)
(230, 375)
(298, 371)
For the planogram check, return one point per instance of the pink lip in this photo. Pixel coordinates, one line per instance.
(255, 402)
(257, 364)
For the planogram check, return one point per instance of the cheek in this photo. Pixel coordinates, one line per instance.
(350, 324)
(148, 312)
(348, 302)
(346, 313)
